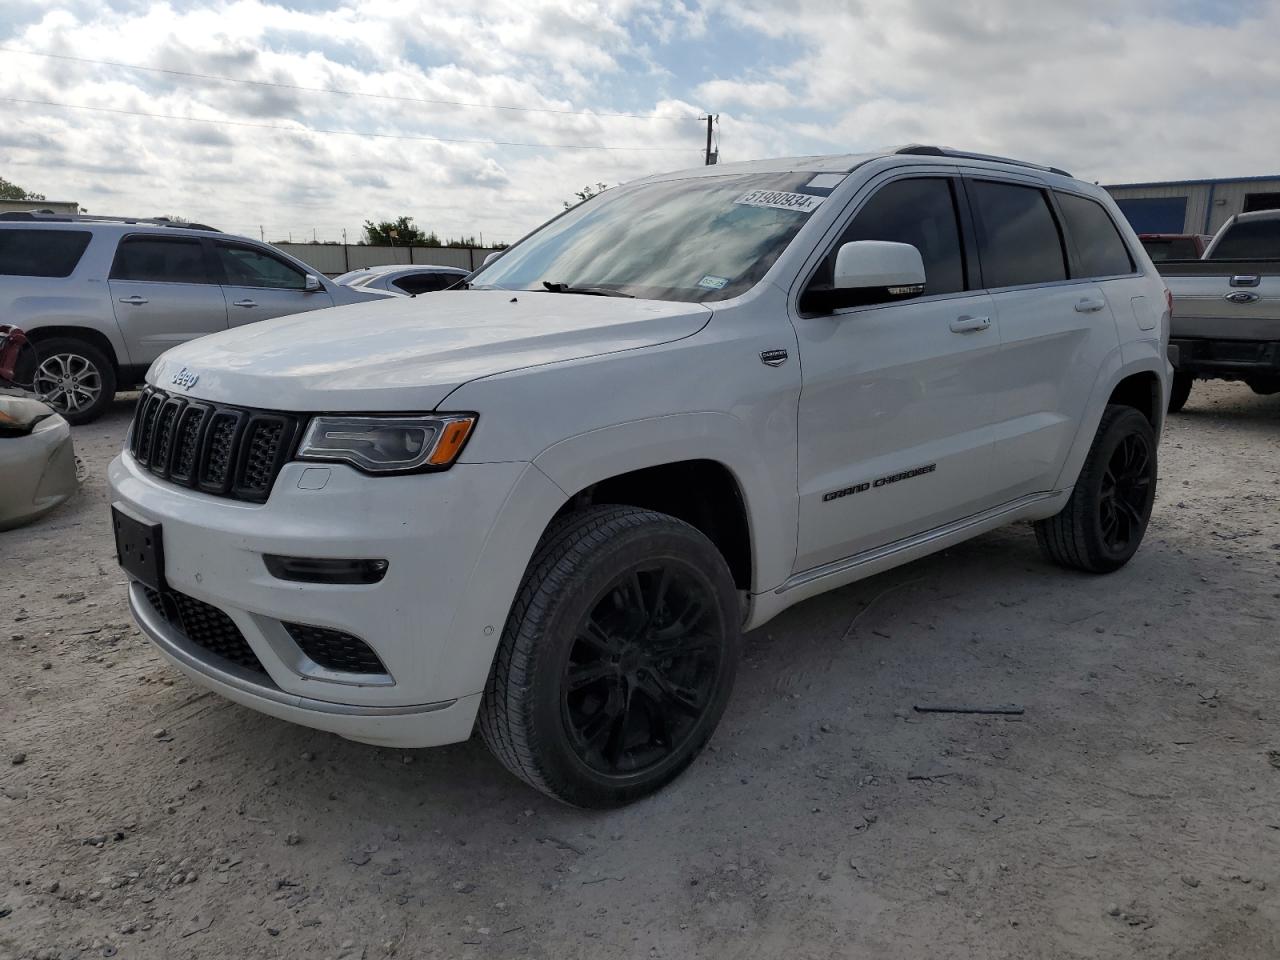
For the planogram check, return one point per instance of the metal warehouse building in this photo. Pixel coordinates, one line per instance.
(1193, 206)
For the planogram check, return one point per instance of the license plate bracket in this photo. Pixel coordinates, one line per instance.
(139, 549)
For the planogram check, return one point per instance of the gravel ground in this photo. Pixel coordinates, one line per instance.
(1131, 811)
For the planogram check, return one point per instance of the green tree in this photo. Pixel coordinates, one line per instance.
(398, 231)
(585, 194)
(11, 191)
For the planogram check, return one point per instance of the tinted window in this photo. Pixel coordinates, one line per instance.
(246, 267)
(1249, 240)
(1018, 238)
(921, 212)
(1098, 245)
(161, 259)
(426, 282)
(41, 253)
(1171, 248)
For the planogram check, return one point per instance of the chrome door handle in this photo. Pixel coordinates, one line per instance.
(968, 324)
(245, 303)
(134, 301)
(1090, 305)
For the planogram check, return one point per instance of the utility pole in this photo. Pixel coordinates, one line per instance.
(262, 233)
(710, 157)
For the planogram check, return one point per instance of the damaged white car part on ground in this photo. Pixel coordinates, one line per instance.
(38, 469)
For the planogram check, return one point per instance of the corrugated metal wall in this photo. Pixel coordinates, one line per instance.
(332, 259)
(1219, 200)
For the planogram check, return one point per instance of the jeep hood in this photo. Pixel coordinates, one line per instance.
(404, 354)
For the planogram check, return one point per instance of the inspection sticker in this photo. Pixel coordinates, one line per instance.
(713, 283)
(799, 202)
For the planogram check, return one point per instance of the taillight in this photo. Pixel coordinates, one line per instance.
(1168, 300)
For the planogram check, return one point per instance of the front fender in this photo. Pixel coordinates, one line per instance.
(579, 461)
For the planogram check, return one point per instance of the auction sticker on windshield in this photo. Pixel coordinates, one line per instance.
(799, 202)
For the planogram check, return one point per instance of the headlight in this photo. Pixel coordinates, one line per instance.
(388, 444)
(19, 415)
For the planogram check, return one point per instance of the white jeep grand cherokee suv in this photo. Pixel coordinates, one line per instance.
(659, 420)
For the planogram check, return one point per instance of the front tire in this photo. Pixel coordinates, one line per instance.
(1179, 391)
(617, 659)
(1103, 523)
(74, 377)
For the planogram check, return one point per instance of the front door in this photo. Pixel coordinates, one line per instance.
(163, 295)
(895, 409)
(259, 286)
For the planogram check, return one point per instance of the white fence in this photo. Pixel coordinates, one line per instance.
(332, 259)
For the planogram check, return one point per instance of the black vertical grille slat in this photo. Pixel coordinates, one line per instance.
(148, 411)
(162, 434)
(222, 450)
(260, 453)
(186, 443)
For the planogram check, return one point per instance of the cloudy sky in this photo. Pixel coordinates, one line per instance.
(1113, 91)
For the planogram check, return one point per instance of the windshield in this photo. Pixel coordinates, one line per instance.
(705, 238)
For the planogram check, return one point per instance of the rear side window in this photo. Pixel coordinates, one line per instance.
(160, 260)
(1171, 248)
(247, 267)
(1018, 238)
(41, 253)
(921, 212)
(1098, 243)
(425, 282)
(1249, 240)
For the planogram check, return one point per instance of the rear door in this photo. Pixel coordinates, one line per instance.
(895, 410)
(258, 285)
(1055, 331)
(163, 294)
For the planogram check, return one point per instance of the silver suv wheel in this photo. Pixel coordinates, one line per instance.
(68, 382)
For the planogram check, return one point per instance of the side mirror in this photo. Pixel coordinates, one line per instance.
(489, 258)
(896, 268)
(312, 284)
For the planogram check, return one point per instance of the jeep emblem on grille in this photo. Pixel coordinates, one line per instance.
(185, 379)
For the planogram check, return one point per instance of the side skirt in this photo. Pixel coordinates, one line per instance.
(838, 573)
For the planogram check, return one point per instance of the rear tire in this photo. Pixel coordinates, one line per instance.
(617, 659)
(1180, 391)
(74, 377)
(1103, 523)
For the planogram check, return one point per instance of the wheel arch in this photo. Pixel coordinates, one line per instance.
(1140, 383)
(88, 334)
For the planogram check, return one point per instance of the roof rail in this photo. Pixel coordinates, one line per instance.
(39, 216)
(925, 150)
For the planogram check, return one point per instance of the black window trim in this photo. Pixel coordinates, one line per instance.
(221, 273)
(1077, 269)
(968, 240)
(210, 280)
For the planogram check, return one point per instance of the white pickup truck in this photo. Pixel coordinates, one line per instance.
(1226, 308)
(662, 418)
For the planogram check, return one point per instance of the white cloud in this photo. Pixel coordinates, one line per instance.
(1149, 90)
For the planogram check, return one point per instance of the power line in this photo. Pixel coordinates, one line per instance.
(337, 92)
(317, 130)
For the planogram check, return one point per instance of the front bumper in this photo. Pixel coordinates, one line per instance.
(38, 472)
(1226, 359)
(433, 620)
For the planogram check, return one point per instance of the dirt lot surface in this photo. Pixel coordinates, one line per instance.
(1132, 811)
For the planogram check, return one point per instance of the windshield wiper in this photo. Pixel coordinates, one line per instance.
(585, 291)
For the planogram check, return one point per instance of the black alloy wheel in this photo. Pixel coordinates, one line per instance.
(1128, 486)
(617, 659)
(642, 669)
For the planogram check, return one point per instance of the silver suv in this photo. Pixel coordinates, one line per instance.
(102, 297)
